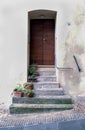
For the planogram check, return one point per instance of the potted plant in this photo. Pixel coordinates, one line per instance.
(32, 78)
(31, 70)
(18, 91)
(36, 73)
(29, 92)
(35, 66)
(28, 85)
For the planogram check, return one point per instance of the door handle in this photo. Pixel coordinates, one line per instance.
(44, 39)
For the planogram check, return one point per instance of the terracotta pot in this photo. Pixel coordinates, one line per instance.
(18, 94)
(29, 87)
(36, 74)
(32, 80)
(31, 95)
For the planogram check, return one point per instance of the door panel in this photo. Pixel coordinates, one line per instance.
(42, 42)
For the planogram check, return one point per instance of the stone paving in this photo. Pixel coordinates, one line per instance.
(78, 112)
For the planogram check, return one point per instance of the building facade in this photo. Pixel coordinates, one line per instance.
(45, 32)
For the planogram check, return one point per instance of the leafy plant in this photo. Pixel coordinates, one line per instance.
(32, 77)
(18, 88)
(34, 66)
(29, 92)
(31, 71)
(18, 91)
(28, 85)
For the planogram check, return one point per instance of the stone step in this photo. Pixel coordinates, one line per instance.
(50, 91)
(51, 67)
(46, 85)
(48, 96)
(37, 108)
(47, 72)
(63, 99)
(47, 79)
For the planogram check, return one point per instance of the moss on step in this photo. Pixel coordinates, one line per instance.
(42, 100)
(23, 110)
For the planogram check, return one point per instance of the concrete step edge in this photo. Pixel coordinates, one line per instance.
(46, 100)
(46, 66)
(54, 97)
(41, 105)
(48, 89)
(46, 69)
(47, 76)
(47, 83)
(43, 97)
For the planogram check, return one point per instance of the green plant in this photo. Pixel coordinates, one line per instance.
(18, 88)
(28, 85)
(18, 91)
(32, 77)
(34, 66)
(29, 92)
(31, 71)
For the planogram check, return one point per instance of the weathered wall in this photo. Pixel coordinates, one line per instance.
(73, 44)
(69, 35)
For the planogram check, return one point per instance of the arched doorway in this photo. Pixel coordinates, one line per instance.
(42, 37)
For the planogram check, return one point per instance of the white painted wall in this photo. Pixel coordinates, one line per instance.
(13, 42)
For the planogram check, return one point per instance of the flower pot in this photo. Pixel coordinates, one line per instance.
(31, 95)
(18, 94)
(32, 80)
(29, 87)
(36, 74)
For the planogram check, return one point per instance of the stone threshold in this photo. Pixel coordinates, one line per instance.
(46, 66)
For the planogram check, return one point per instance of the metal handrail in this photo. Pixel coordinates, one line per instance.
(69, 68)
(79, 69)
(63, 68)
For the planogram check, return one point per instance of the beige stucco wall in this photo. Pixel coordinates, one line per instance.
(14, 37)
(73, 44)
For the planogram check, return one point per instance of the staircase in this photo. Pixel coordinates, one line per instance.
(49, 96)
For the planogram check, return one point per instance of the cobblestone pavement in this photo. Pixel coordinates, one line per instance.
(78, 112)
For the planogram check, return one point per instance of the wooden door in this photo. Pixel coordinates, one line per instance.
(42, 41)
